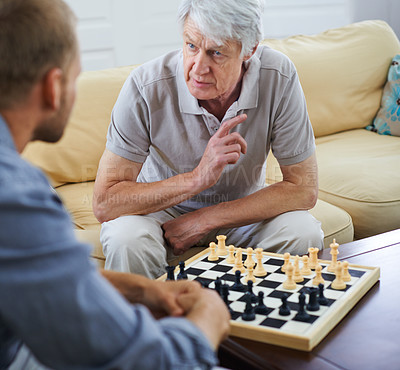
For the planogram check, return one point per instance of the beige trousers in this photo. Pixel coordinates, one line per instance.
(136, 243)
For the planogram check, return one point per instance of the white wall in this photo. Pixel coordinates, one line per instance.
(387, 10)
(122, 32)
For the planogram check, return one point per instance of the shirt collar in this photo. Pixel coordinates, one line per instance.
(6, 139)
(248, 98)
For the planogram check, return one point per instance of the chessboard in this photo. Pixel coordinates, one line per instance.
(271, 326)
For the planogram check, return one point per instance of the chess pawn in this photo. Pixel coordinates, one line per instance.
(289, 283)
(249, 260)
(334, 253)
(313, 260)
(250, 275)
(259, 270)
(346, 275)
(221, 250)
(213, 254)
(305, 270)
(231, 256)
(297, 276)
(239, 261)
(338, 283)
(318, 276)
(286, 259)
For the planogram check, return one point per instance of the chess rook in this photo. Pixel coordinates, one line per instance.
(221, 250)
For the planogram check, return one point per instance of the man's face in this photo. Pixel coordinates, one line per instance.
(211, 71)
(52, 129)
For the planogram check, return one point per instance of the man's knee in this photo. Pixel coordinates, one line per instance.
(293, 232)
(307, 230)
(133, 244)
(121, 233)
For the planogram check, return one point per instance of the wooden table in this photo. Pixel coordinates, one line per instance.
(367, 338)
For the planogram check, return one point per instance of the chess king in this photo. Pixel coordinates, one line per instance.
(188, 139)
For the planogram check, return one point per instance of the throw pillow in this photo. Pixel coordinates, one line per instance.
(387, 121)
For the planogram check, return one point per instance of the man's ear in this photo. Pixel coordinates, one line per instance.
(247, 57)
(52, 88)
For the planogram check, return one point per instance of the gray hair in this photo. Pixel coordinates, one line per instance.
(223, 20)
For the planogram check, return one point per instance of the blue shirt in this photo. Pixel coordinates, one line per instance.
(53, 299)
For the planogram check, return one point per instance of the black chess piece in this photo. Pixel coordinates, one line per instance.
(250, 292)
(170, 272)
(323, 301)
(261, 308)
(238, 286)
(225, 294)
(248, 314)
(313, 304)
(302, 315)
(284, 310)
(218, 284)
(182, 273)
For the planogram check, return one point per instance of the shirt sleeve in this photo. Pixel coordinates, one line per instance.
(56, 302)
(128, 134)
(292, 139)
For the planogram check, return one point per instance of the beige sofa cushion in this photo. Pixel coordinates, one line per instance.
(78, 200)
(76, 156)
(358, 172)
(342, 72)
(363, 178)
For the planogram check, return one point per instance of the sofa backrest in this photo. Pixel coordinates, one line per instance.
(76, 156)
(342, 72)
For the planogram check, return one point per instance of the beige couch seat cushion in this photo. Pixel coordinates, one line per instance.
(335, 222)
(342, 72)
(77, 199)
(360, 173)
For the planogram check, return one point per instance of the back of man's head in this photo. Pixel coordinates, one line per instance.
(35, 36)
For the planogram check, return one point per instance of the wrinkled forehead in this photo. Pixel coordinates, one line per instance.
(193, 34)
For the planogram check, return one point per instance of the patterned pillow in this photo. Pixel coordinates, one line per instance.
(387, 121)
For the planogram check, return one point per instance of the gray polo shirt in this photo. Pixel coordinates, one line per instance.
(157, 122)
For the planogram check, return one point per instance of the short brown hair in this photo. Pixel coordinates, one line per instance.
(35, 36)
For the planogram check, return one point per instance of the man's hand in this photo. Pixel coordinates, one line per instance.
(184, 231)
(161, 298)
(208, 312)
(222, 149)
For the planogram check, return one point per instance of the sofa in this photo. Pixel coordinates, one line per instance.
(342, 71)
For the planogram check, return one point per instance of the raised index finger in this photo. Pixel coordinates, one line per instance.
(230, 124)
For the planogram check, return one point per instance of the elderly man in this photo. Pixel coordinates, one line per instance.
(56, 310)
(188, 140)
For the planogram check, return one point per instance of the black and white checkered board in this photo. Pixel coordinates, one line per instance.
(272, 327)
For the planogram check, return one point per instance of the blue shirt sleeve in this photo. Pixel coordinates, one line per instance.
(56, 302)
